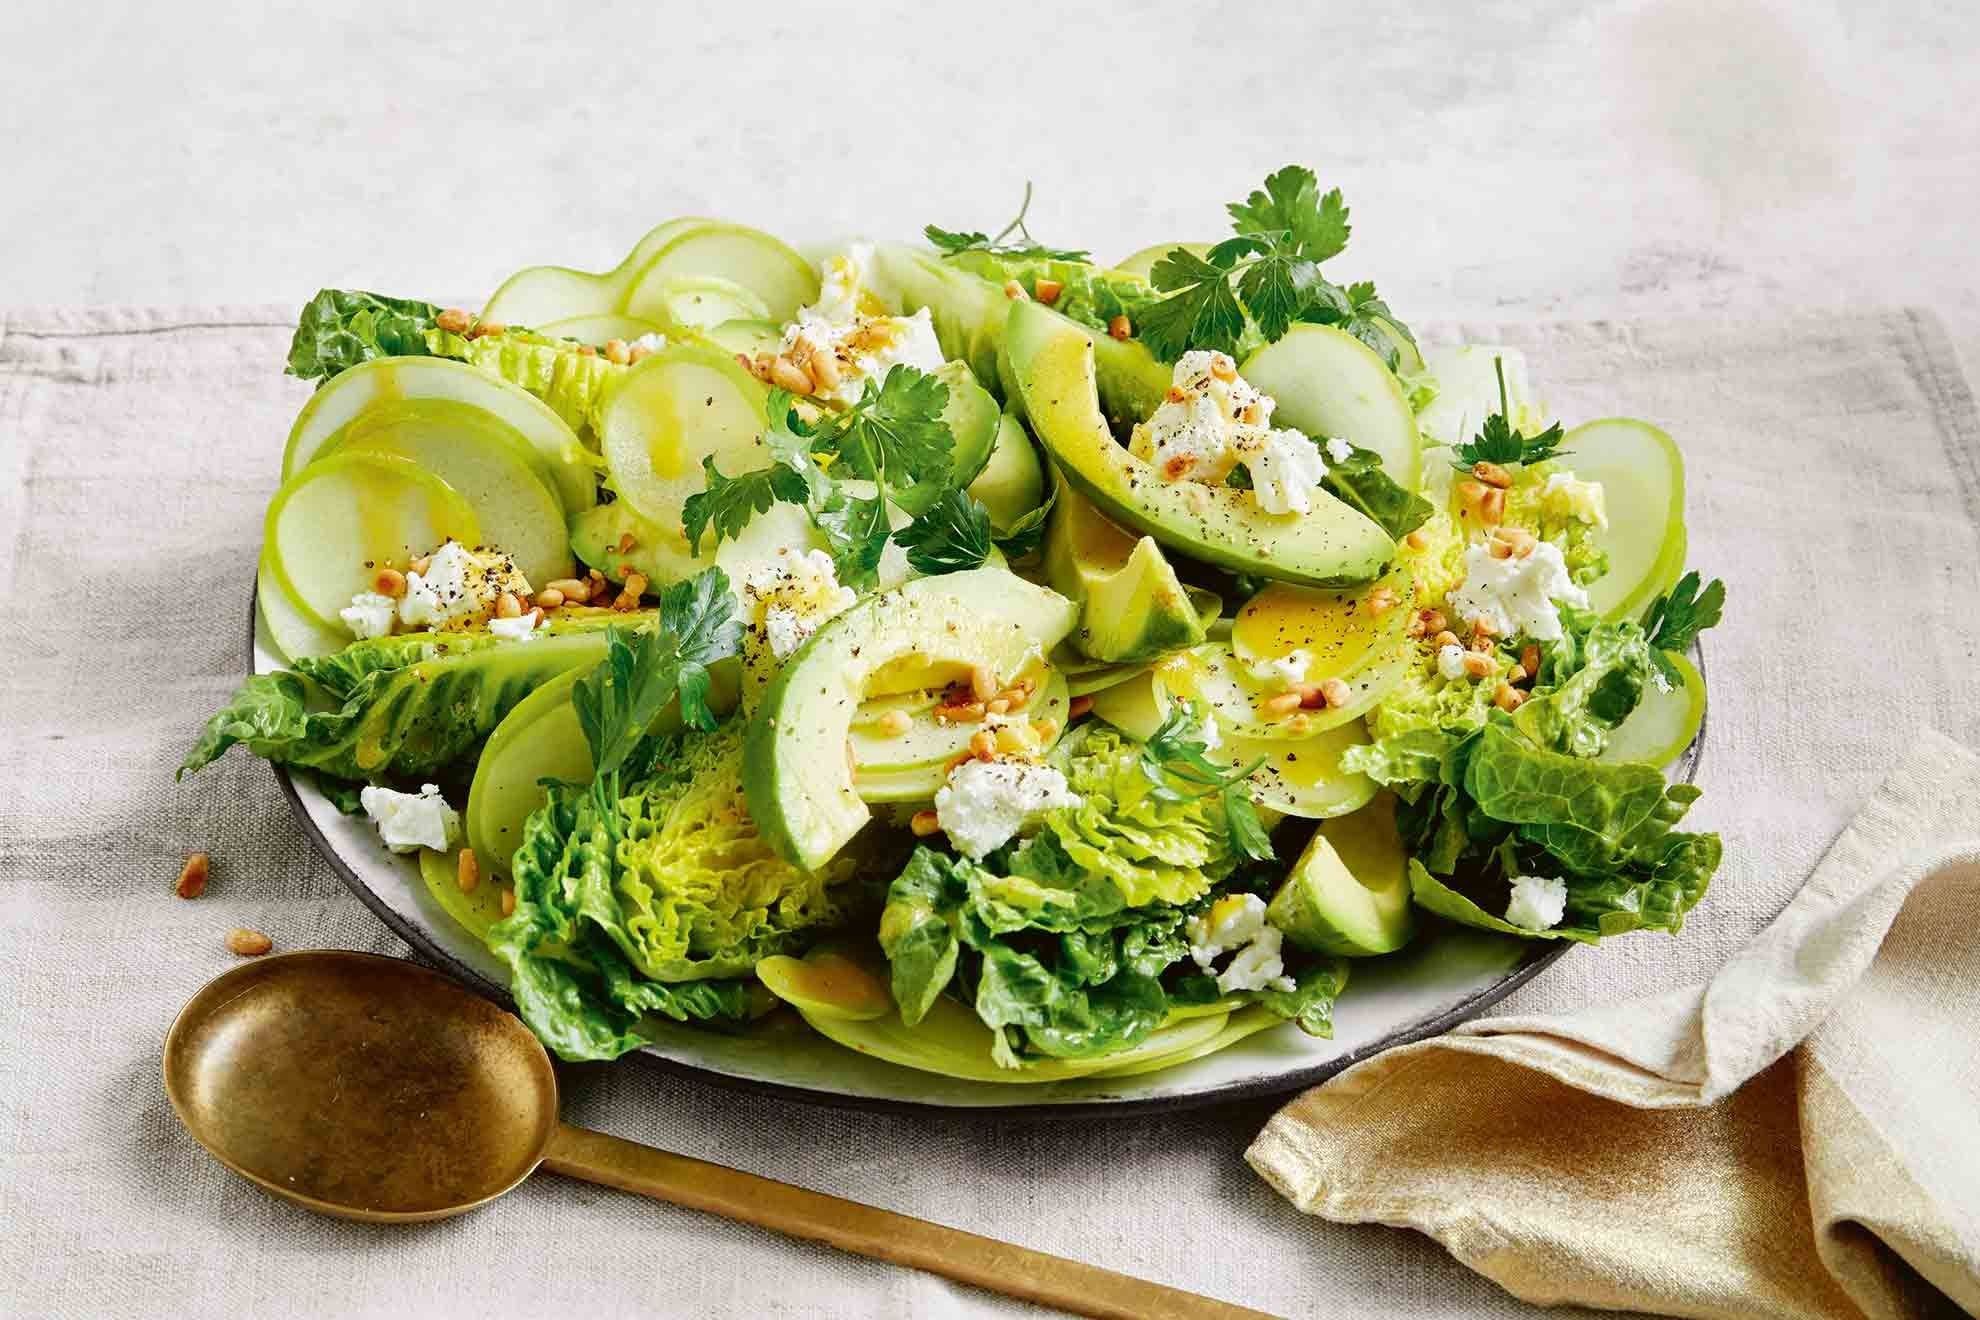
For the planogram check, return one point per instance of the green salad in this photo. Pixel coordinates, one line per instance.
(1019, 667)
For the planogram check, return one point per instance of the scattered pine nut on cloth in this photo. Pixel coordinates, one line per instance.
(1800, 1136)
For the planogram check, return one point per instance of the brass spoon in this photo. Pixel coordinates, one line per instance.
(370, 1088)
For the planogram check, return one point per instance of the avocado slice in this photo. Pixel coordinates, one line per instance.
(797, 767)
(1349, 892)
(1012, 483)
(1052, 359)
(1132, 605)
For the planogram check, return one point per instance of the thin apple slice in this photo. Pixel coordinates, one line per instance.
(539, 294)
(1642, 476)
(345, 516)
(759, 263)
(1328, 383)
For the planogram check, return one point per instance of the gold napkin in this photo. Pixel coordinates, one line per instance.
(1798, 1137)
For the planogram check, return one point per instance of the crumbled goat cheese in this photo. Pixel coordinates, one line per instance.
(986, 804)
(522, 628)
(846, 325)
(788, 598)
(1450, 663)
(1236, 924)
(369, 615)
(408, 821)
(1516, 595)
(1538, 902)
(1566, 497)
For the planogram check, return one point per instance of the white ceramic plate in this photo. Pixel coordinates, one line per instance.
(1448, 974)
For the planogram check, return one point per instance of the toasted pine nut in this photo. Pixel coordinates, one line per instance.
(1508, 697)
(825, 370)
(1499, 549)
(1470, 493)
(480, 329)
(982, 683)
(787, 375)
(1337, 692)
(1491, 474)
(584, 350)
(1310, 696)
(573, 590)
(1120, 328)
(1529, 658)
(618, 350)
(390, 582)
(192, 876)
(507, 606)
(454, 320)
(1280, 706)
(636, 584)
(1014, 291)
(420, 565)
(1048, 291)
(997, 706)
(1517, 674)
(468, 873)
(963, 712)
(1417, 539)
(1521, 540)
(1252, 414)
(549, 598)
(1010, 742)
(1381, 600)
(1444, 639)
(508, 902)
(1300, 722)
(1433, 621)
(1492, 509)
(1177, 394)
(1477, 664)
(1047, 729)
(1080, 706)
(1222, 367)
(895, 723)
(1482, 627)
(983, 745)
(924, 823)
(247, 943)
(1415, 627)
(636, 352)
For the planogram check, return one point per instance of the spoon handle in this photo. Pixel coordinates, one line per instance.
(866, 1230)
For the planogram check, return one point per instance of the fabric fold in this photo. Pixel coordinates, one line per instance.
(1798, 1137)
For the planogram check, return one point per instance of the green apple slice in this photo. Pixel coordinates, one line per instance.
(1642, 476)
(778, 278)
(345, 516)
(601, 329)
(539, 294)
(698, 302)
(1328, 383)
(911, 766)
(1141, 263)
(1304, 778)
(686, 403)
(350, 394)
(826, 983)
(487, 463)
(1663, 723)
(295, 634)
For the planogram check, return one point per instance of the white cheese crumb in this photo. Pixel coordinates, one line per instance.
(1285, 673)
(865, 344)
(789, 598)
(1215, 420)
(369, 615)
(408, 821)
(1286, 468)
(986, 804)
(1237, 923)
(1450, 663)
(458, 588)
(1565, 496)
(1338, 450)
(522, 628)
(1516, 596)
(1538, 902)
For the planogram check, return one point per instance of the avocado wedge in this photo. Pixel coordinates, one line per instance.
(1052, 361)
(1349, 892)
(1132, 607)
(797, 769)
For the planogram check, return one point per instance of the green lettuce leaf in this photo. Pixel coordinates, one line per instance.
(1311, 1001)
(1153, 848)
(339, 328)
(572, 382)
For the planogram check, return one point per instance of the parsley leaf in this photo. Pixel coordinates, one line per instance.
(895, 434)
(1360, 482)
(729, 503)
(1201, 311)
(791, 442)
(1024, 536)
(1498, 442)
(1674, 621)
(1175, 761)
(953, 241)
(1359, 311)
(642, 673)
(951, 535)
(1290, 203)
(856, 530)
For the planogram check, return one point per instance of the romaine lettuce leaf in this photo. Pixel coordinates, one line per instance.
(339, 328)
(1152, 849)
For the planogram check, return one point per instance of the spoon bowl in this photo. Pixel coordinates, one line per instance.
(370, 1088)
(361, 1086)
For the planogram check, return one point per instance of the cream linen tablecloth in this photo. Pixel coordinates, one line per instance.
(1835, 484)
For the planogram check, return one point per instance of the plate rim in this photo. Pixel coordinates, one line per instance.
(432, 954)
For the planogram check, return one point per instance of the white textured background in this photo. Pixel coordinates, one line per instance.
(1505, 163)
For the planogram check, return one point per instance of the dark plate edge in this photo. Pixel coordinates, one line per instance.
(433, 955)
